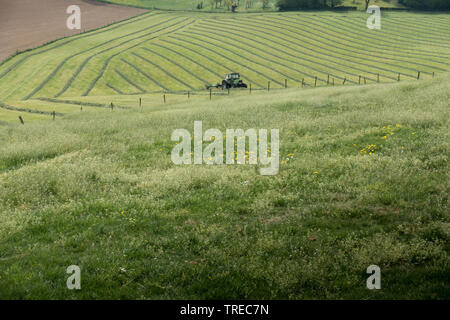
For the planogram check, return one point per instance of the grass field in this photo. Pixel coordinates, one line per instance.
(99, 190)
(363, 175)
(179, 52)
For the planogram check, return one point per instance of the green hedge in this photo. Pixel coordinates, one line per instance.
(427, 4)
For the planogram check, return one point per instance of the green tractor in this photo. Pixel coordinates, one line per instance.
(232, 80)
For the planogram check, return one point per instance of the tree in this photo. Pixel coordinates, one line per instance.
(334, 3)
(228, 4)
(264, 3)
(307, 4)
(367, 4)
(248, 4)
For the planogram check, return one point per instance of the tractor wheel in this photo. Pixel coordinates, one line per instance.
(224, 85)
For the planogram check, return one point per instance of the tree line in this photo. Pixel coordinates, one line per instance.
(327, 4)
(426, 4)
(307, 4)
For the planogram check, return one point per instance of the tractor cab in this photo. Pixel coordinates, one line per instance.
(232, 76)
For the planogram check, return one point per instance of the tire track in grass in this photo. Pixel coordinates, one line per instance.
(209, 59)
(105, 65)
(163, 70)
(129, 81)
(283, 58)
(235, 54)
(359, 38)
(350, 46)
(114, 88)
(145, 75)
(175, 63)
(89, 34)
(86, 61)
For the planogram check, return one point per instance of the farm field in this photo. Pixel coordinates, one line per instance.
(99, 190)
(173, 53)
(25, 24)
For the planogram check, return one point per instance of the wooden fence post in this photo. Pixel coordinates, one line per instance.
(359, 81)
(315, 81)
(268, 85)
(285, 83)
(303, 82)
(164, 97)
(54, 115)
(140, 102)
(433, 74)
(378, 77)
(189, 94)
(21, 120)
(345, 79)
(112, 106)
(418, 75)
(333, 81)
(398, 77)
(250, 86)
(365, 82)
(210, 94)
(328, 80)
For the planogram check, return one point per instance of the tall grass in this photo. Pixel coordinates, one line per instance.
(363, 180)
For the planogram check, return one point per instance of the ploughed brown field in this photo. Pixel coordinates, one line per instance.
(26, 24)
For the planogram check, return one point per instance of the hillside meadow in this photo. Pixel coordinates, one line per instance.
(179, 52)
(363, 180)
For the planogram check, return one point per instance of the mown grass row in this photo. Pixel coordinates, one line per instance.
(85, 62)
(330, 39)
(361, 34)
(323, 31)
